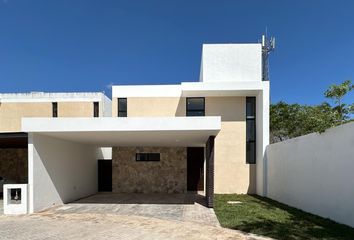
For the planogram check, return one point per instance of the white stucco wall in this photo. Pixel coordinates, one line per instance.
(59, 171)
(262, 137)
(106, 110)
(315, 173)
(231, 63)
(104, 153)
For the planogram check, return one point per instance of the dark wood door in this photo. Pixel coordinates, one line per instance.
(105, 175)
(195, 169)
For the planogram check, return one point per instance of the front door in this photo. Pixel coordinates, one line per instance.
(105, 175)
(195, 169)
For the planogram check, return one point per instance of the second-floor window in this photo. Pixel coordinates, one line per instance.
(122, 107)
(195, 107)
(96, 109)
(251, 130)
(55, 109)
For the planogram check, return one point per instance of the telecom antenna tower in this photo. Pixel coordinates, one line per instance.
(268, 46)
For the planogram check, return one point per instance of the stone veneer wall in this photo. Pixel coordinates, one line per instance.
(13, 164)
(169, 175)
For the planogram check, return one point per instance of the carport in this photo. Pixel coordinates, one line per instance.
(62, 152)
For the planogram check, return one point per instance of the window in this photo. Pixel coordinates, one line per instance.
(55, 109)
(147, 157)
(195, 107)
(122, 107)
(251, 130)
(95, 109)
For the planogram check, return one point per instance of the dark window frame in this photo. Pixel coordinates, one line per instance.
(122, 113)
(148, 157)
(54, 109)
(195, 110)
(96, 109)
(251, 140)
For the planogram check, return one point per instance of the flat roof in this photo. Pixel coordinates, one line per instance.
(193, 89)
(136, 131)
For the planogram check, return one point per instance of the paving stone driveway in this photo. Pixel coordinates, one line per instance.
(108, 227)
(179, 207)
(130, 217)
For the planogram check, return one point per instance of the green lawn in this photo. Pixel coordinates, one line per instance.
(270, 218)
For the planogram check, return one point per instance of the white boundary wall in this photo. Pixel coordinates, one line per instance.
(315, 173)
(59, 171)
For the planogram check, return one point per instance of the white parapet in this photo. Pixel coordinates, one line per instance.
(15, 206)
(231, 63)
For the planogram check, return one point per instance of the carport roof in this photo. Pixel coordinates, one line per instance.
(137, 131)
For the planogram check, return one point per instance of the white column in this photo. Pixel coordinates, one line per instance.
(262, 128)
(30, 172)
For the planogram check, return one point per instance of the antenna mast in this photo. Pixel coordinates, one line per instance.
(268, 46)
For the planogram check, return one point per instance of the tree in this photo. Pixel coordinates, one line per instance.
(293, 120)
(282, 121)
(317, 118)
(337, 93)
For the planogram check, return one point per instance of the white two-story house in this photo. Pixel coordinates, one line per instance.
(207, 136)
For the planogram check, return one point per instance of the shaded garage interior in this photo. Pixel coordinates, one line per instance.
(64, 171)
(13, 160)
(13, 157)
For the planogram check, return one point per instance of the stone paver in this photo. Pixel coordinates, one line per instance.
(108, 227)
(180, 207)
(122, 217)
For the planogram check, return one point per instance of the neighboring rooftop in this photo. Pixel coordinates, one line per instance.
(52, 96)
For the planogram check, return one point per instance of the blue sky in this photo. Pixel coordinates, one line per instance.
(87, 45)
